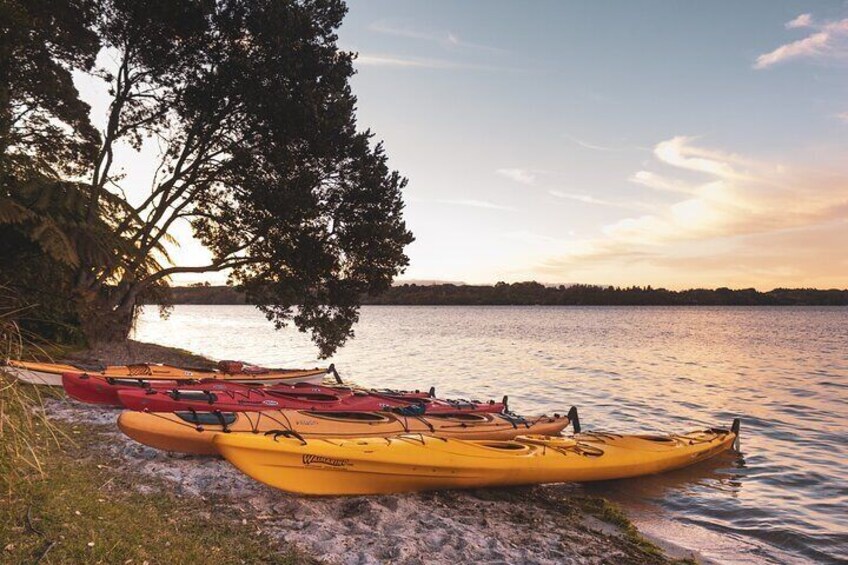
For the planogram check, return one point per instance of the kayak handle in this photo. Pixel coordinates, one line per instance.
(332, 369)
(574, 419)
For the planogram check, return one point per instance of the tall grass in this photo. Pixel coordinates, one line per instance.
(25, 431)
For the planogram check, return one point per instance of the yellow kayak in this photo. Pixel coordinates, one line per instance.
(415, 462)
(51, 373)
(192, 432)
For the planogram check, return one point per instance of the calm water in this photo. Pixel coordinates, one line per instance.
(783, 370)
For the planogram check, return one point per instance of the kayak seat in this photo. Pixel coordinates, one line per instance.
(207, 418)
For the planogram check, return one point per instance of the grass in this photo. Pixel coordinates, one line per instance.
(61, 503)
(610, 513)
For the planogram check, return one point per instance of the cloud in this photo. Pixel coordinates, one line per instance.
(737, 207)
(585, 198)
(843, 116)
(366, 60)
(587, 145)
(679, 152)
(659, 182)
(804, 20)
(485, 204)
(523, 176)
(401, 62)
(588, 199)
(829, 42)
(596, 147)
(447, 40)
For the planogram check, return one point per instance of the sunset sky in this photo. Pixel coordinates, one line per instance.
(670, 144)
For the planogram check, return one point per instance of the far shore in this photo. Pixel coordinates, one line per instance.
(536, 294)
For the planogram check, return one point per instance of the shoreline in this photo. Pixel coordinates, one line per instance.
(540, 524)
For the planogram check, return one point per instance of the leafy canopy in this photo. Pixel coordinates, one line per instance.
(250, 103)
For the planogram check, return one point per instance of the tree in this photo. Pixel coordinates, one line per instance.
(251, 104)
(45, 136)
(42, 118)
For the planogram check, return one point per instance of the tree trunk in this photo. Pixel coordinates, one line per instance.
(103, 323)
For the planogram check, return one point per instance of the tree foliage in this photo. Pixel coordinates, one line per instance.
(44, 126)
(45, 136)
(250, 106)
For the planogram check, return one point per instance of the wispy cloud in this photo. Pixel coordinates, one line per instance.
(804, 20)
(598, 147)
(368, 60)
(843, 116)
(402, 62)
(523, 176)
(739, 207)
(587, 145)
(448, 39)
(470, 202)
(828, 42)
(659, 182)
(536, 239)
(588, 199)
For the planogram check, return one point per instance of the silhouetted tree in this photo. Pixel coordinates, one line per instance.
(251, 104)
(45, 137)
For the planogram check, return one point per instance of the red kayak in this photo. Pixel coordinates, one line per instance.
(94, 389)
(246, 399)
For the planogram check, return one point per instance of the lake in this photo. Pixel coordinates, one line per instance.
(784, 371)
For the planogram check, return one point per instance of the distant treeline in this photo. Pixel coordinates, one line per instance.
(532, 293)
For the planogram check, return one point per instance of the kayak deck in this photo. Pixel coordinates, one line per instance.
(51, 373)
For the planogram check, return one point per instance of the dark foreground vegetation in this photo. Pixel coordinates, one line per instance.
(532, 293)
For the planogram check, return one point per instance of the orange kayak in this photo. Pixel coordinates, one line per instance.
(51, 373)
(193, 432)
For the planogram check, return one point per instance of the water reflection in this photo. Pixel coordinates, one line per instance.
(783, 370)
(722, 475)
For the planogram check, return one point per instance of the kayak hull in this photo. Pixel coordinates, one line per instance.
(410, 463)
(187, 432)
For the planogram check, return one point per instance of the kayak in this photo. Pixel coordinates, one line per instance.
(94, 389)
(51, 373)
(416, 462)
(254, 399)
(192, 432)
